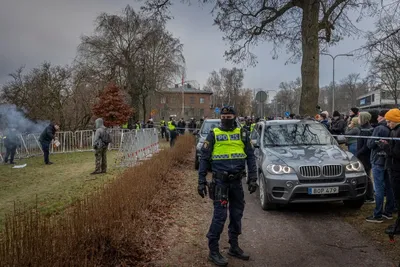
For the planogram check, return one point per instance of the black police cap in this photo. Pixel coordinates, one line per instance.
(228, 110)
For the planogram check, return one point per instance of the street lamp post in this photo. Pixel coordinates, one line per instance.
(333, 74)
(275, 100)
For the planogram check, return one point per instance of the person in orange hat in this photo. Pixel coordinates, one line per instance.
(392, 149)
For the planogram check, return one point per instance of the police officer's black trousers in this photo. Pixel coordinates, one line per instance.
(10, 153)
(172, 138)
(163, 132)
(235, 206)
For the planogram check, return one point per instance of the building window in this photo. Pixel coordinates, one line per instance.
(201, 100)
(373, 98)
(163, 100)
(192, 100)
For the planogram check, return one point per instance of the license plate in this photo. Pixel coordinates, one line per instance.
(323, 190)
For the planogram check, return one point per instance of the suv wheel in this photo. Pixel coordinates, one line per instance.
(354, 204)
(265, 203)
(196, 162)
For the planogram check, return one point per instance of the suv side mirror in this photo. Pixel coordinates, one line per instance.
(255, 143)
(341, 139)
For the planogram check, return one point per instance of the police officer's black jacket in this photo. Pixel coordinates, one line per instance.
(231, 166)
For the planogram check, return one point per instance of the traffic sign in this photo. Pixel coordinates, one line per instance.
(261, 96)
(217, 110)
(287, 114)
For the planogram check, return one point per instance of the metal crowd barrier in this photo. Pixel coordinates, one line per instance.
(78, 141)
(137, 145)
(365, 137)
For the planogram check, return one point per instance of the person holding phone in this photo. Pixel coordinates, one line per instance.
(380, 174)
(392, 164)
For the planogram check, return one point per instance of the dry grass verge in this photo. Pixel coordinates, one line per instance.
(116, 226)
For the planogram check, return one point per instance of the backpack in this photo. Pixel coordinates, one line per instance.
(106, 138)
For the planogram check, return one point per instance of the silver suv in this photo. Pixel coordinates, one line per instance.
(300, 161)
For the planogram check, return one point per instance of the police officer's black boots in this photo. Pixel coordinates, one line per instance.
(237, 252)
(217, 258)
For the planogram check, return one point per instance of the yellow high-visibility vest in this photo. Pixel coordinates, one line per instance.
(228, 145)
(171, 127)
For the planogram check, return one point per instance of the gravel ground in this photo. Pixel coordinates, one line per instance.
(309, 235)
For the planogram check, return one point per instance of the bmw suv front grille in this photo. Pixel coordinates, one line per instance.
(310, 171)
(332, 170)
(325, 174)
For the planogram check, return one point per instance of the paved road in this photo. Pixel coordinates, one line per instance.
(302, 236)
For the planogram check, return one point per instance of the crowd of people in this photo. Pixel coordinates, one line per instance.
(371, 138)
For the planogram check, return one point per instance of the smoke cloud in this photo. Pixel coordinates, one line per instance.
(11, 116)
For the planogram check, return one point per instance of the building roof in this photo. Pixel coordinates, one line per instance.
(186, 90)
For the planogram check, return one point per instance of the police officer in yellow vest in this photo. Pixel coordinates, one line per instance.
(172, 132)
(254, 124)
(226, 150)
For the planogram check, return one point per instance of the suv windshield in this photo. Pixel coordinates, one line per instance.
(208, 126)
(297, 134)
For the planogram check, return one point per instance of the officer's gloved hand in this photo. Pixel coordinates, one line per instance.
(202, 188)
(252, 184)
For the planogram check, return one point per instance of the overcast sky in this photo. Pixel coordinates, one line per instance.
(33, 31)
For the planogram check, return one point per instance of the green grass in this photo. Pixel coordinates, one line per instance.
(51, 187)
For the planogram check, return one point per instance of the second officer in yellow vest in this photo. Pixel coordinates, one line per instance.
(226, 150)
(172, 131)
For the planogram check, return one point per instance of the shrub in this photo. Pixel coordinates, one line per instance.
(110, 227)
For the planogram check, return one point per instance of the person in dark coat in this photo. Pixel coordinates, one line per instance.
(392, 164)
(45, 140)
(181, 126)
(364, 153)
(11, 142)
(338, 125)
(352, 114)
(150, 123)
(324, 120)
(380, 175)
(192, 125)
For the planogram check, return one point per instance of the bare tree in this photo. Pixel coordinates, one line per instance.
(387, 26)
(385, 55)
(350, 88)
(52, 93)
(346, 93)
(114, 48)
(300, 24)
(43, 92)
(160, 62)
(289, 95)
(136, 52)
(214, 84)
(387, 74)
(227, 86)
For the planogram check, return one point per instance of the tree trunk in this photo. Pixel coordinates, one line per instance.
(144, 108)
(310, 60)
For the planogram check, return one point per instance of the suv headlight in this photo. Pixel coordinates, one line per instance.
(279, 169)
(354, 167)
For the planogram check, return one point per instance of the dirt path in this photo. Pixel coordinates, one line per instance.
(291, 237)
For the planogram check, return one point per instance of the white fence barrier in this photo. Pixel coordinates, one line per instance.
(137, 145)
(80, 141)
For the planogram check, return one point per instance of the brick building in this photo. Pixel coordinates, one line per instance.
(197, 103)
